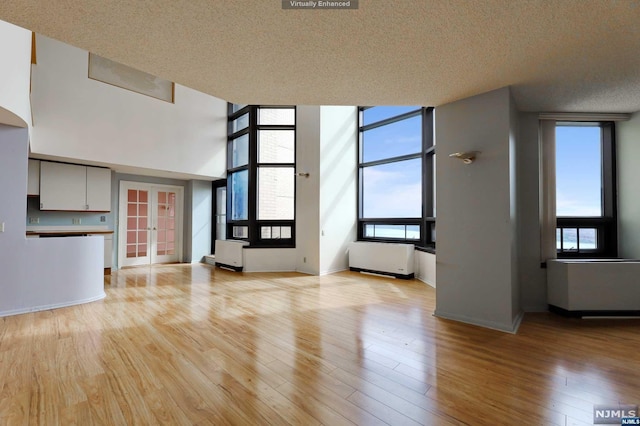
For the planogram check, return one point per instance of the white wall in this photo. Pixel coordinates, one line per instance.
(628, 153)
(326, 200)
(425, 268)
(269, 259)
(15, 51)
(338, 193)
(87, 120)
(475, 259)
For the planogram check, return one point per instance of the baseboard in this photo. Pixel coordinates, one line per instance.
(536, 308)
(332, 271)
(512, 328)
(229, 267)
(426, 282)
(593, 314)
(51, 306)
(388, 274)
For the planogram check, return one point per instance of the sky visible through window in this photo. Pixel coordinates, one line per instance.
(578, 181)
(578, 171)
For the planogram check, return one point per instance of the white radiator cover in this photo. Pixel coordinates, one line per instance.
(388, 258)
(230, 253)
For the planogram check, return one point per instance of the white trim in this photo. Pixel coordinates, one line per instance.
(583, 116)
(426, 282)
(52, 306)
(332, 271)
(513, 328)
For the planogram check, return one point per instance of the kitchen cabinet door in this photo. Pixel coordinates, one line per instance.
(98, 189)
(63, 186)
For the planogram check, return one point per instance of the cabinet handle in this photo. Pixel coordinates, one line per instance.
(41, 205)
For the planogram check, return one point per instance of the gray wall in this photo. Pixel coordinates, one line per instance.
(476, 237)
(628, 146)
(308, 189)
(198, 222)
(533, 279)
(513, 206)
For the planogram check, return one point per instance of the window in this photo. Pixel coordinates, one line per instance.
(119, 75)
(585, 190)
(261, 175)
(396, 175)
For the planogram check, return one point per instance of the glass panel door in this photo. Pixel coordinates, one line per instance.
(164, 244)
(150, 220)
(137, 227)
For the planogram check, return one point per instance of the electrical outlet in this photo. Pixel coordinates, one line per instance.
(103, 218)
(304, 260)
(34, 220)
(77, 221)
(2, 227)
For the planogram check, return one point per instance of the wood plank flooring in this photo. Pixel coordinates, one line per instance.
(194, 345)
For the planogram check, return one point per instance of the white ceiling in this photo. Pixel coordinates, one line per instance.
(562, 55)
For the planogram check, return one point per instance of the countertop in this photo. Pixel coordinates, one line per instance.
(68, 230)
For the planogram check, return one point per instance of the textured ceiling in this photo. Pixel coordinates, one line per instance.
(563, 55)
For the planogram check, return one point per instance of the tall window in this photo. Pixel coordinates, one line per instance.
(261, 175)
(585, 190)
(395, 176)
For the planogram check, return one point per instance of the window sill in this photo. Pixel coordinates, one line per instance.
(431, 250)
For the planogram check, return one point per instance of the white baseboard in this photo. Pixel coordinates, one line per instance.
(426, 282)
(512, 328)
(333, 271)
(51, 306)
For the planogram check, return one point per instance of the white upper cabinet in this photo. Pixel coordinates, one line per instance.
(62, 186)
(98, 189)
(71, 187)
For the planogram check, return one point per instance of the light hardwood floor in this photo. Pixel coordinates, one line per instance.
(186, 344)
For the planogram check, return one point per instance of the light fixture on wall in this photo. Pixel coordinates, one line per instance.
(302, 174)
(467, 157)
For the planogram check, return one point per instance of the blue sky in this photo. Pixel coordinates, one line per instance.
(578, 171)
(395, 189)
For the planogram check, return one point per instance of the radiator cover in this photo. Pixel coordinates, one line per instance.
(229, 254)
(397, 260)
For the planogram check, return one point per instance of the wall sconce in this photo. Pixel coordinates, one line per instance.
(302, 174)
(467, 157)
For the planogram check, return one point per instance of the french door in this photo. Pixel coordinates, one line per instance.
(150, 224)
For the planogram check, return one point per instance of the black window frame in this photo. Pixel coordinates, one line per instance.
(252, 222)
(427, 220)
(606, 226)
